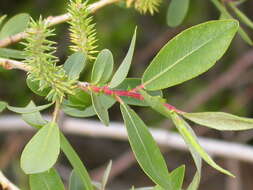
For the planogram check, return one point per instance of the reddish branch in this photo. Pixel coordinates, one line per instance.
(123, 93)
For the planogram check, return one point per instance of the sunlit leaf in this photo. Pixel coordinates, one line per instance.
(189, 54)
(220, 121)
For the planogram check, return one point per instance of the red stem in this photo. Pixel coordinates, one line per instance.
(131, 93)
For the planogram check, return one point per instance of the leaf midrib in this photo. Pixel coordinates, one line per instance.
(178, 61)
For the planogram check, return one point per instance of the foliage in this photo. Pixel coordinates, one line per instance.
(188, 55)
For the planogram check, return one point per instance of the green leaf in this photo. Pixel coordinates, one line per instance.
(3, 105)
(34, 119)
(14, 25)
(34, 86)
(101, 111)
(106, 101)
(190, 139)
(129, 84)
(123, 69)
(48, 180)
(227, 15)
(241, 15)
(75, 182)
(177, 11)
(23, 110)
(189, 54)
(102, 68)
(77, 164)
(11, 53)
(145, 148)
(177, 177)
(74, 65)
(220, 121)
(42, 151)
(80, 99)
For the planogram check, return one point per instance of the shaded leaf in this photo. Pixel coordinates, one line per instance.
(14, 25)
(102, 68)
(99, 108)
(23, 110)
(74, 65)
(220, 121)
(80, 99)
(48, 180)
(42, 151)
(123, 69)
(107, 102)
(11, 53)
(176, 12)
(34, 119)
(189, 54)
(34, 86)
(75, 182)
(145, 148)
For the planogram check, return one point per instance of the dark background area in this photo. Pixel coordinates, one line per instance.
(227, 86)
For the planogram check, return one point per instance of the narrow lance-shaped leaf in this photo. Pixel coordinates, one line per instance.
(2, 18)
(102, 68)
(34, 86)
(42, 151)
(48, 180)
(75, 161)
(100, 109)
(157, 103)
(145, 148)
(123, 69)
(177, 11)
(184, 130)
(14, 25)
(189, 54)
(22, 110)
(220, 121)
(74, 65)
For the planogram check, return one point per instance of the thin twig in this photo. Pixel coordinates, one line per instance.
(54, 21)
(5, 184)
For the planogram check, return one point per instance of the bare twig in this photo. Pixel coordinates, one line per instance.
(54, 21)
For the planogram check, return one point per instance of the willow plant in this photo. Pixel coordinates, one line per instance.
(186, 56)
